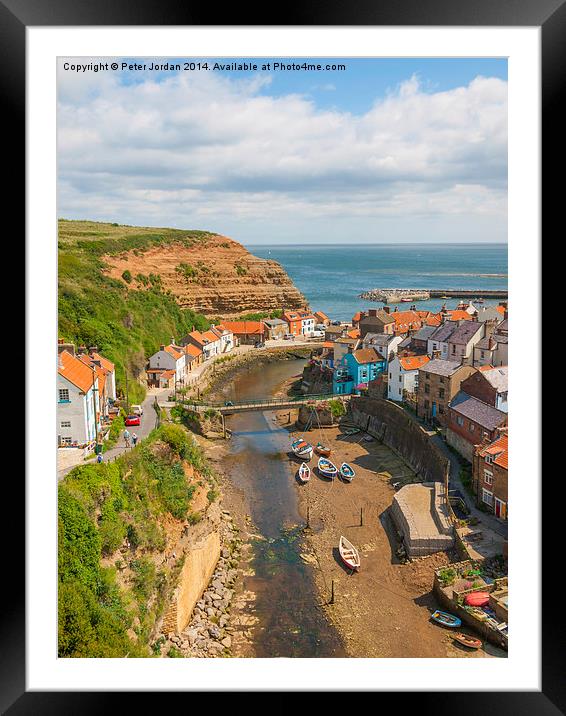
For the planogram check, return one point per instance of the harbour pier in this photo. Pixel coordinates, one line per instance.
(397, 295)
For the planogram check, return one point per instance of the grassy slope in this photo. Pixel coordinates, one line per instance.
(102, 614)
(127, 325)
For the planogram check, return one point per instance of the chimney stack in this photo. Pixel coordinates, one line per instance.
(373, 311)
(162, 348)
(436, 355)
(62, 346)
(387, 309)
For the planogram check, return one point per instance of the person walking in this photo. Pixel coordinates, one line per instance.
(99, 458)
(127, 438)
(134, 439)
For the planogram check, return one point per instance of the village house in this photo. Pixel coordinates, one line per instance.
(326, 356)
(355, 370)
(78, 407)
(276, 328)
(403, 376)
(321, 318)
(376, 321)
(331, 333)
(489, 475)
(439, 381)
(247, 332)
(489, 385)
(418, 342)
(166, 367)
(470, 422)
(106, 377)
(437, 342)
(461, 342)
(357, 318)
(384, 343)
(301, 323)
(344, 345)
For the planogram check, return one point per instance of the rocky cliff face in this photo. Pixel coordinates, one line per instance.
(217, 276)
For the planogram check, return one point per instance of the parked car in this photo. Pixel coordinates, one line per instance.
(289, 337)
(259, 344)
(136, 410)
(317, 334)
(133, 420)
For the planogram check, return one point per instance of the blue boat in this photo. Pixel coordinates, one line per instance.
(446, 619)
(327, 468)
(347, 472)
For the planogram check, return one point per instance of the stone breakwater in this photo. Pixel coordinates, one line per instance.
(209, 632)
(395, 295)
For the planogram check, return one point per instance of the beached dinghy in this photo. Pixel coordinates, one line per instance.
(447, 620)
(302, 449)
(327, 468)
(349, 554)
(347, 472)
(304, 472)
(322, 450)
(468, 641)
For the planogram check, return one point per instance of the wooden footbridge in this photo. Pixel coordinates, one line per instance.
(244, 406)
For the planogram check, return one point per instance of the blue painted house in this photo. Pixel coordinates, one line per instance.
(355, 369)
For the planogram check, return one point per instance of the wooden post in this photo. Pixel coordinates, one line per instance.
(308, 515)
(361, 516)
(332, 593)
(223, 426)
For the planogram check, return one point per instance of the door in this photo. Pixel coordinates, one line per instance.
(500, 510)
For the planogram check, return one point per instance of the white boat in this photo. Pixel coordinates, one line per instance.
(349, 554)
(327, 468)
(304, 472)
(347, 472)
(302, 449)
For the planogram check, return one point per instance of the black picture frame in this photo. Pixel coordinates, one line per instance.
(15, 16)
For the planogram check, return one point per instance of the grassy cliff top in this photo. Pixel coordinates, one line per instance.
(103, 238)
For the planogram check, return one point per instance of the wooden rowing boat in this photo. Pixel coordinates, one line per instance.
(446, 619)
(322, 450)
(302, 449)
(327, 468)
(468, 641)
(347, 472)
(349, 554)
(304, 472)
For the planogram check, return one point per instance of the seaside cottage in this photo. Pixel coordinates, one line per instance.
(489, 385)
(470, 422)
(385, 344)
(247, 332)
(489, 475)
(276, 328)
(439, 381)
(78, 407)
(355, 370)
(462, 341)
(404, 376)
(437, 343)
(167, 358)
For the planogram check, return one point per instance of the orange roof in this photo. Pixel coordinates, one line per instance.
(430, 319)
(499, 448)
(168, 374)
(192, 350)
(197, 336)
(357, 316)
(459, 315)
(501, 310)
(107, 364)
(367, 355)
(210, 336)
(327, 344)
(100, 371)
(405, 320)
(75, 371)
(413, 362)
(245, 326)
(174, 351)
(354, 333)
(321, 314)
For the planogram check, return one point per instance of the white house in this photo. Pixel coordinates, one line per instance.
(403, 374)
(438, 340)
(169, 358)
(226, 338)
(462, 341)
(78, 406)
(308, 323)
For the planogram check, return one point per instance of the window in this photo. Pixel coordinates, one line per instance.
(441, 410)
(487, 497)
(453, 350)
(66, 441)
(427, 388)
(426, 404)
(400, 378)
(441, 393)
(489, 459)
(488, 477)
(65, 423)
(459, 420)
(472, 427)
(63, 395)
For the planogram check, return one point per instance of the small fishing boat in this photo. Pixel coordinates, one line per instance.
(468, 641)
(302, 449)
(322, 450)
(406, 300)
(349, 554)
(304, 473)
(477, 599)
(347, 472)
(327, 468)
(448, 620)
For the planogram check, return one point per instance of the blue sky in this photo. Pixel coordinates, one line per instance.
(388, 150)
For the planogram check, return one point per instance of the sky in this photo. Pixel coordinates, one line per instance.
(384, 151)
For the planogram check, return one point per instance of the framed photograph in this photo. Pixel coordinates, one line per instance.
(271, 271)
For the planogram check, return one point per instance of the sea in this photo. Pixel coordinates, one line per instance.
(332, 277)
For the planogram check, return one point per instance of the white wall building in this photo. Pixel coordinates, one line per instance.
(78, 406)
(403, 374)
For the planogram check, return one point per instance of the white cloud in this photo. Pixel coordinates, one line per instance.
(200, 147)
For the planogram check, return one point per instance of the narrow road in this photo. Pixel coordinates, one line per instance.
(148, 423)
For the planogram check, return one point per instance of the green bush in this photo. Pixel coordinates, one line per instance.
(127, 276)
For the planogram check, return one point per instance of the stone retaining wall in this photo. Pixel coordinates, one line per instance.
(401, 433)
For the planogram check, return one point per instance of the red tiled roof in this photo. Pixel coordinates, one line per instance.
(192, 350)
(499, 448)
(459, 315)
(367, 355)
(247, 327)
(75, 371)
(354, 333)
(413, 362)
(174, 351)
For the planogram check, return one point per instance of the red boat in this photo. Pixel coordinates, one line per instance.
(468, 641)
(477, 599)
